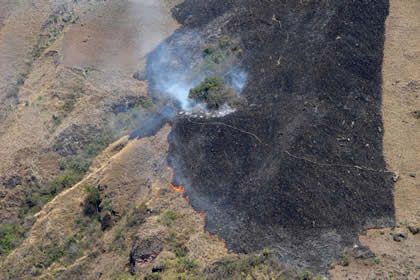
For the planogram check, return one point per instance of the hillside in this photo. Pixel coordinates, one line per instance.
(110, 171)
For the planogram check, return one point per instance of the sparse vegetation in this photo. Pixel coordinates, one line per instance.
(185, 264)
(219, 57)
(247, 267)
(10, 237)
(129, 120)
(98, 145)
(137, 215)
(35, 200)
(168, 217)
(346, 260)
(72, 171)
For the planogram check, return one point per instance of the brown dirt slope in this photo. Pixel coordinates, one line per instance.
(130, 172)
(54, 103)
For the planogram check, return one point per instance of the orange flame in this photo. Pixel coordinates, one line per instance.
(204, 215)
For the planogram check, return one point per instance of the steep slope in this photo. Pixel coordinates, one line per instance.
(57, 109)
(303, 162)
(401, 141)
(295, 175)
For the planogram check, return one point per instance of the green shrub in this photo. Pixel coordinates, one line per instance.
(10, 237)
(62, 164)
(345, 261)
(168, 217)
(92, 201)
(180, 251)
(200, 92)
(50, 254)
(266, 252)
(186, 265)
(35, 200)
(80, 164)
(214, 92)
(106, 204)
(307, 275)
(98, 145)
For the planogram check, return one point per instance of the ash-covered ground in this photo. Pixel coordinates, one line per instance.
(298, 167)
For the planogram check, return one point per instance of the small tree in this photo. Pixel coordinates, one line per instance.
(214, 92)
(93, 200)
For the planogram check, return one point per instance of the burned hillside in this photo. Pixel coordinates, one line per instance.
(300, 169)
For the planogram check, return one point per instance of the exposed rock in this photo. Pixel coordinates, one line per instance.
(363, 252)
(413, 175)
(395, 177)
(399, 236)
(413, 229)
(11, 182)
(144, 251)
(106, 221)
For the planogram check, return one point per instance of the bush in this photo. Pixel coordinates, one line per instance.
(186, 265)
(168, 217)
(266, 252)
(92, 201)
(35, 200)
(10, 236)
(214, 92)
(98, 145)
(50, 254)
(346, 260)
(200, 92)
(80, 164)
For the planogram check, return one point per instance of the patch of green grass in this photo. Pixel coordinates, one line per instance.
(217, 58)
(185, 264)
(49, 254)
(346, 260)
(168, 217)
(98, 145)
(10, 237)
(35, 200)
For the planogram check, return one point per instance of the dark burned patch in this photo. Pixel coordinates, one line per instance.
(301, 169)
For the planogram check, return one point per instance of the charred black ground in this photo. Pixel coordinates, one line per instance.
(299, 169)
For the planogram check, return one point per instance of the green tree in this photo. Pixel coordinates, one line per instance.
(214, 92)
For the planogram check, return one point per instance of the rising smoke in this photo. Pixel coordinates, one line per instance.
(177, 65)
